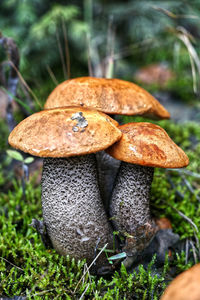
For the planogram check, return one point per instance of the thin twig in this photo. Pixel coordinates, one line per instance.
(41, 293)
(190, 188)
(186, 251)
(172, 15)
(196, 231)
(128, 51)
(184, 171)
(90, 266)
(178, 193)
(187, 219)
(53, 77)
(27, 293)
(11, 264)
(191, 223)
(89, 55)
(84, 292)
(85, 270)
(67, 53)
(186, 38)
(28, 99)
(197, 242)
(194, 251)
(184, 217)
(109, 68)
(24, 82)
(61, 55)
(193, 57)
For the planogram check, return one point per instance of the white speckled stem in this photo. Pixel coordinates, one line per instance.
(129, 206)
(72, 209)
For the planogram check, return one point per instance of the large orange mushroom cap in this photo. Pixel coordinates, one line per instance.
(185, 286)
(112, 96)
(65, 132)
(147, 144)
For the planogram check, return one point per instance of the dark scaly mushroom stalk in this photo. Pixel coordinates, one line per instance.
(142, 147)
(72, 208)
(129, 208)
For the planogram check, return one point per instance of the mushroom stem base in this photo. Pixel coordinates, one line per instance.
(129, 209)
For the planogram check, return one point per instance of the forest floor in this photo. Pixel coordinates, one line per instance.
(30, 271)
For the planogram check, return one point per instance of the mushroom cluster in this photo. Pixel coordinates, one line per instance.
(73, 127)
(111, 96)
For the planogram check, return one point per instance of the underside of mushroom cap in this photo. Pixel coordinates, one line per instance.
(64, 132)
(112, 96)
(147, 144)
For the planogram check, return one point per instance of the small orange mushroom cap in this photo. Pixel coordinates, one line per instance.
(185, 286)
(112, 96)
(147, 144)
(64, 132)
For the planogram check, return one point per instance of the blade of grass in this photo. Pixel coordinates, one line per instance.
(172, 15)
(90, 267)
(67, 53)
(109, 69)
(184, 171)
(90, 71)
(11, 264)
(53, 77)
(183, 35)
(61, 55)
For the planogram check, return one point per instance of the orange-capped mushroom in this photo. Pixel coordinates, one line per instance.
(72, 209)
(65, 132)
(111, 96)
(185, 286)
(147, 144)
(142, 147)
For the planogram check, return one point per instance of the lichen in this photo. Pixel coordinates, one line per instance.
(81, 121)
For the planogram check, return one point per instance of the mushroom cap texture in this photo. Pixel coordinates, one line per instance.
(185, 286)
(64, 132)
(112, 96)
(149, 145)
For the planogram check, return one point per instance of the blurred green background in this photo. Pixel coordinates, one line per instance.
(59, 39)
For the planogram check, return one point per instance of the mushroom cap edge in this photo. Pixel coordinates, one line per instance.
(149, 145)
(65, 132)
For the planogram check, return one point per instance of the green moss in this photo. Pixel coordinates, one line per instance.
(28, 269)
(165, 198)
(4, 132)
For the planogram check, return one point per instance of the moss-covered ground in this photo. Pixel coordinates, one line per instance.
(28, 269)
